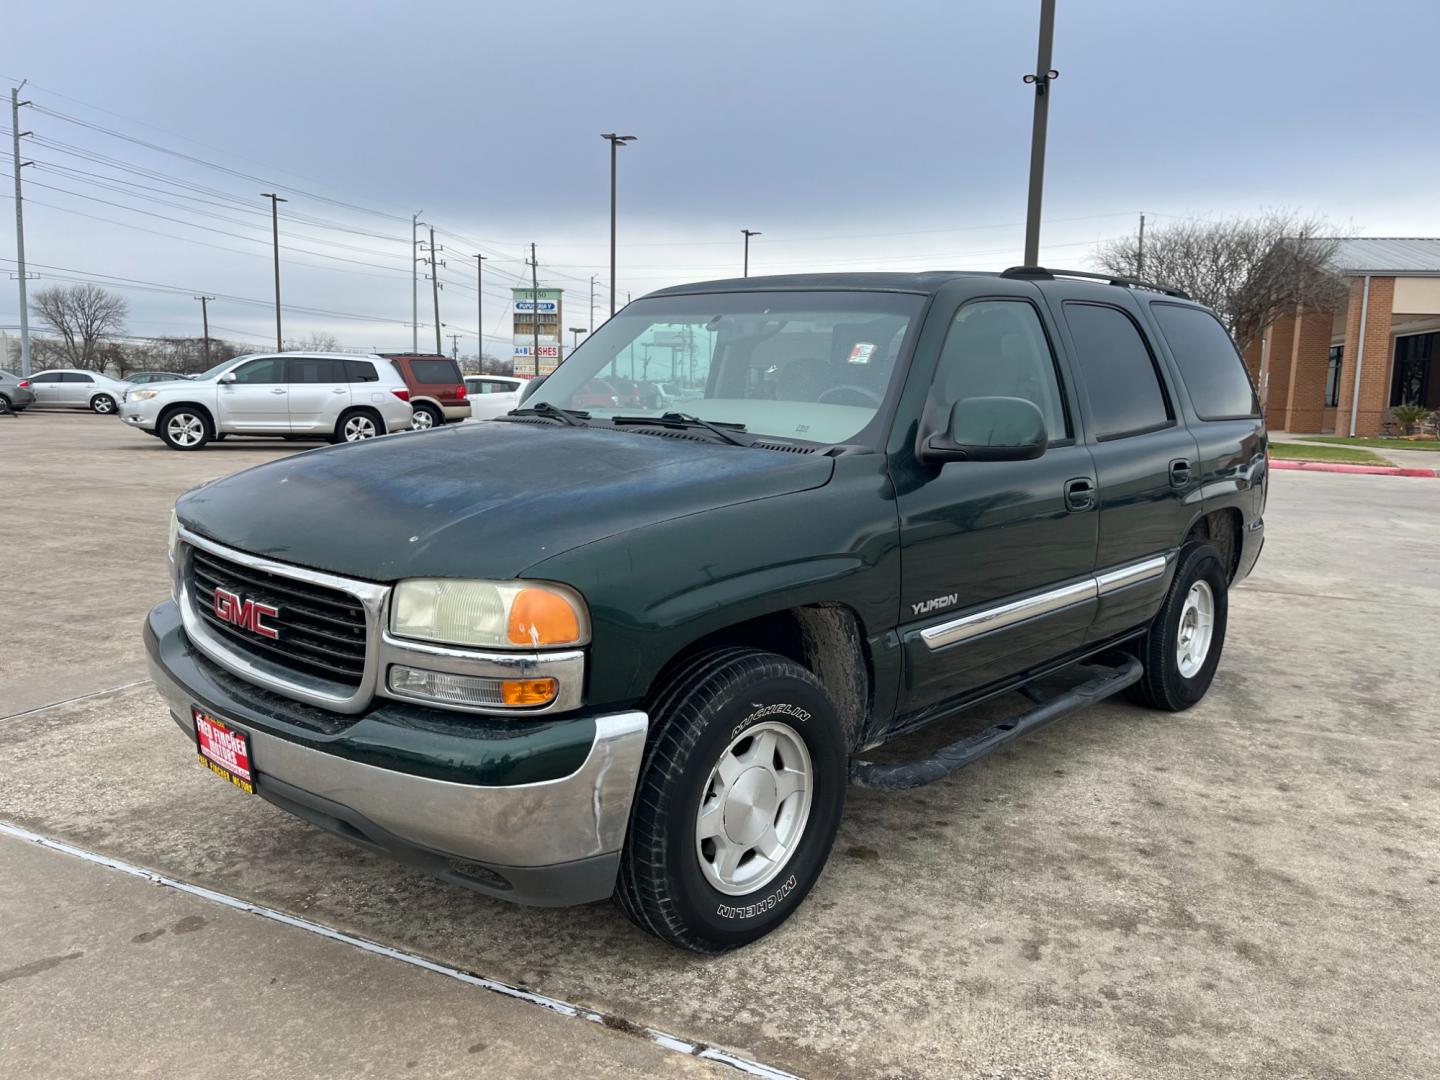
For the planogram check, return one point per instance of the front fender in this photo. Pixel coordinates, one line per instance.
(654, 591)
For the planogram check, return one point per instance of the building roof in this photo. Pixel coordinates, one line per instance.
(1403, 255)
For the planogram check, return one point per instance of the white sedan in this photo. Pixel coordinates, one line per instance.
(493, 395)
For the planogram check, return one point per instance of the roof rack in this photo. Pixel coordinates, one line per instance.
(1109, 279)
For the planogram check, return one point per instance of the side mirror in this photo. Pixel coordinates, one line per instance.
(531, 387)
(227, 378)
(988, 429)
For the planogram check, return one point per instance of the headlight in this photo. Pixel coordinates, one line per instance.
(489, 614)
(141, 395)
(174, 534)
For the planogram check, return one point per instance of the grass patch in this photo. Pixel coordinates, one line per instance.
(1345, 454)
(1380, 444)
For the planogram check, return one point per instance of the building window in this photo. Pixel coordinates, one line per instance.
(1413, 380)
(1332, 376)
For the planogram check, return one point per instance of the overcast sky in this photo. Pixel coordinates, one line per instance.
(853, 135)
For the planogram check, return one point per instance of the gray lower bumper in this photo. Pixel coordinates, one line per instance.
(549, 843)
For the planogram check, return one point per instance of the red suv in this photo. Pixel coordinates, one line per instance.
(437, 389)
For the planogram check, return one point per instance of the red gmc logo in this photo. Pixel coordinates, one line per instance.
(247, 614)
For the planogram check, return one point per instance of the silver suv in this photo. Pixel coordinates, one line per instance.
(335, 396)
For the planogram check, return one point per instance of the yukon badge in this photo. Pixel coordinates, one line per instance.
(939, 603)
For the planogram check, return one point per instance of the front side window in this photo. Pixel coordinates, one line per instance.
(1209, 363)
(1121, 380)
(808, 366)
(269, 370)
(998, 348)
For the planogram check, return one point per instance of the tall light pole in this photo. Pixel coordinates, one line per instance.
(535, 310)
(20, 274)
(1041, 79)
(480, 309)
(592, 300)
(748, 233)
(616, 141)
(275, 201)
(414, 282)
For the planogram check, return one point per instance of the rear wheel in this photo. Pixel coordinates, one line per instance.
(426, 416)
(1182, 648)
(103, 404)
(739, 799)
(358, 425)
(184, 428)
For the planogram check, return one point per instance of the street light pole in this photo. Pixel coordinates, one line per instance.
(1041, 79)
(414, 283)
(616, 141)
(480, 309)
(748, 233)
(21, 275)
(275, 201)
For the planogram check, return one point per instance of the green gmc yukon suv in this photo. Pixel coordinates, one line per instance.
(635, 638)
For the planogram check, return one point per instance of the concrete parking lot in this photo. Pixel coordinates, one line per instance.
(1249, 888)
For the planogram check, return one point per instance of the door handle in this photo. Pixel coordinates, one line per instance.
(278, 390)
(338, 390)
(1079, 495)
(1179, 473)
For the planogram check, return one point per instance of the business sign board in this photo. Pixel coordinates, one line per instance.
(547, 352)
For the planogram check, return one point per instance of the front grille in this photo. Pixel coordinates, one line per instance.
(320, 631)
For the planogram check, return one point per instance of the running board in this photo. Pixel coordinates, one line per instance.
(957, 755)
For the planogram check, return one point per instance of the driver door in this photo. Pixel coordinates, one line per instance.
(996, 556)
(257, 400)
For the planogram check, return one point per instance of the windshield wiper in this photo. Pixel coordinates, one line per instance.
(573, 417)
(720, 429)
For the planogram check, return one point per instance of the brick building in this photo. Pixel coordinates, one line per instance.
(1305, 365)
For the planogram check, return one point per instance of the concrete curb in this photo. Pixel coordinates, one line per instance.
(1367, 470)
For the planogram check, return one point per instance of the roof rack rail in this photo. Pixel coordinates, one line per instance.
(1109, 279)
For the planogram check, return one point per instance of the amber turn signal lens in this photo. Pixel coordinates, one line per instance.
(528, 691)
(541, 617)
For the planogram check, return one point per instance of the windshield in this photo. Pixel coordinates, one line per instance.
(210, 373)
(811, 366)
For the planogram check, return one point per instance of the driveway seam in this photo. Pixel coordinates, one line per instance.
(670, 1042)
(72, 700)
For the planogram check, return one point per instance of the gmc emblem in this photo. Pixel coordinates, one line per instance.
(247, 614)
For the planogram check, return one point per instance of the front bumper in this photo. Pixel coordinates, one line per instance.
(533, 811)
(140, 414)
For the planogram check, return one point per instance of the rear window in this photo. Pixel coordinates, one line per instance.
(1208, 361)
(435, 371)
(361, 371)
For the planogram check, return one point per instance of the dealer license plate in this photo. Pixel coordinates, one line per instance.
(224, 750)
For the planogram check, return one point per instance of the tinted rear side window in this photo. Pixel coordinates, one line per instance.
(435, 371)
(316, 369)
(361, 371)
(1209, 363)
(1126, 397)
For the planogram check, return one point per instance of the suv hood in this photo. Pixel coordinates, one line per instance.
(482, 500)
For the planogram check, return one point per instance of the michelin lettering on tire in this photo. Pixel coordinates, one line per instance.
(784, 708)
(749, 911)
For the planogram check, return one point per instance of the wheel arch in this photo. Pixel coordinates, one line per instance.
(169, 407)
(1223, 528)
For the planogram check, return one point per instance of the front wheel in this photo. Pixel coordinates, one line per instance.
(738, 803)
(1182, 648)
(103, 404)
(185, 429)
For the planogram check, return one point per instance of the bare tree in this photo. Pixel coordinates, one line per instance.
(316, 342)
(82, 316)
(1251, 270)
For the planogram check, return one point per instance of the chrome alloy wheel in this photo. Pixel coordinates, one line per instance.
(359, 427)
(1197, 629)
(185, 429)
(755, 808)
(422, 420)
(103, 404)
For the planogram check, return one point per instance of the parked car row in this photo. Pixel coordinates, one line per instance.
(342, 397)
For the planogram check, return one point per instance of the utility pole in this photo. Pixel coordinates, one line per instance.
(454, 347)
(748, 233)
(616, 141)
(592, 301)
(414, 283)
(1140, 251)
(435, 265)
(15, 104)
(275, 201)
(205, 319)
(1041, 80)
(480, 309)
(535, 309)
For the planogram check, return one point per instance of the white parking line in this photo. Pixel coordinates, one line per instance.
(564, 1008)
(72, 700)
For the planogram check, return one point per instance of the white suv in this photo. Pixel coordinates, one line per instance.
(335, 396)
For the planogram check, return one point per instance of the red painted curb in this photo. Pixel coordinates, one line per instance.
(1368, 470)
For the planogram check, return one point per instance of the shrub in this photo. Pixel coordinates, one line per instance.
(1407, 416)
